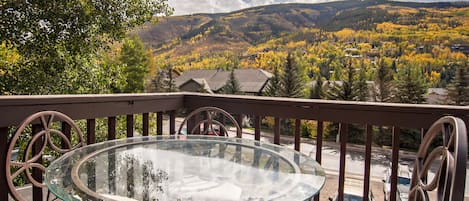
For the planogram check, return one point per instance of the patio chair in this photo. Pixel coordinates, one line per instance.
(211, 123)
(30, 148)
(451, 156)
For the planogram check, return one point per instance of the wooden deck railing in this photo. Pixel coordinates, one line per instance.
(15, 108)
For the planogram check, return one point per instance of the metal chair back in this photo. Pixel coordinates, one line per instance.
(25, 151)
(451, 156)
(212, 123)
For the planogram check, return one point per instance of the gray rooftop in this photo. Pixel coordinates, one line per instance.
(250, 80)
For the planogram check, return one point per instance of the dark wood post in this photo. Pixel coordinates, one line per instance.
(159, 123)
(319, 131)
(145, 122)
(366, 178)
(67, 131)
(91, 139)
(111, 128)
(90, 131)
(239, 119)
(343, 132)
(396, 131)
(172, 122)
(277, 130)
(297, 134)
(37, 174)
(257, 128)
(3, 149)
(130, 125)
(111, 135)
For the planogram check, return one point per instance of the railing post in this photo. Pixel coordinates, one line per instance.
(366, 178)
(145, 122)
(37, 174)
(91, 131)
(159, 123)
(239, 119)
(343, 132)
(3, 149)
(172, 122)
(297, 134)
(130, 125)
(66, 130)
(257, 128)
(319, 132)
(111, 128)
(423, 131)
(91, 139)
(277, 130)
(396, 131)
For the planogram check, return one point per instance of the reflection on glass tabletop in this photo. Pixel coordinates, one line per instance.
(169, 168)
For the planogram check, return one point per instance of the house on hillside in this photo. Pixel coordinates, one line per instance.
(251, 81)
(464, 48)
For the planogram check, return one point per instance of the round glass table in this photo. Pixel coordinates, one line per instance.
(173, 168)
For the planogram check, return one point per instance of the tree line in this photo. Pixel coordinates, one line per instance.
(391, 81)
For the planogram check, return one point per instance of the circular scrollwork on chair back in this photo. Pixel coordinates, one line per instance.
(209, 122)
(450, 178)
(43, 138)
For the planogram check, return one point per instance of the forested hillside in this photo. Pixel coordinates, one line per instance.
(257, 25)
(428, 37)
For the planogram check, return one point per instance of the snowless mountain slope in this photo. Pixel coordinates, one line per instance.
(188, 7)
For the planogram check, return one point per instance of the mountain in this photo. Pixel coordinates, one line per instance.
(188, 7)
(206, 34)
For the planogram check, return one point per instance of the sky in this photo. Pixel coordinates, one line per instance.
(187, 7)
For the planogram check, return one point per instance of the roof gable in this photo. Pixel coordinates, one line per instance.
(250, 80)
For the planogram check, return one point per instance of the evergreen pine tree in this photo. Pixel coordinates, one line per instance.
(232, 85)
(291, 81)
(274, 85)
(342, 90)
(458, 89)
(383, 80)
(410, 86)
(360, 87)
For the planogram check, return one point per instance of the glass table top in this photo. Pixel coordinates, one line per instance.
(169, 168)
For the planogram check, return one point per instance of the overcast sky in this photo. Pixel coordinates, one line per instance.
(187, 7)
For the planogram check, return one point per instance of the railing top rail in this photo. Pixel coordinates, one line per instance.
(285, 100)
(27, 100)
(16, 108)
(388, 114)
